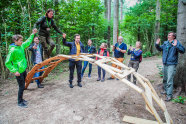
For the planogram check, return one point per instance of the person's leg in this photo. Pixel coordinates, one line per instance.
(104, 73)
(21, 83)
(135, 66)
(71, 76)
(79, 67)
(129, 65)
(165, 75)
(99, 73)
(170, 77)
(84, 67)
(43, 41)
(121, 60)
(90, 70)
(52, 45)
(113, 65)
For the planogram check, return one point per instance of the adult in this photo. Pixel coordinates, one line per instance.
(119, 49)
(170, 49)
(45, 24)
(136, 58)
(76, 47)
(91, 50)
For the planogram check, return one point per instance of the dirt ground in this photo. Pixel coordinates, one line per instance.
(95, 103)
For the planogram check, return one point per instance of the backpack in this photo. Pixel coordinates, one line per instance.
(140, 58)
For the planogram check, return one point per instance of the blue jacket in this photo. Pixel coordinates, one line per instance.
(170, 52)
(135, 54)
(73, 49)
(33, 57)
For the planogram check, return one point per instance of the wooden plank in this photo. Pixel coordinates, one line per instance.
(148, 93)
(135, 120)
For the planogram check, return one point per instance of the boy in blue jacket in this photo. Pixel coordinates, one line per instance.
(170, 49)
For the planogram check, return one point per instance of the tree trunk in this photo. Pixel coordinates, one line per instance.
(115, 25)
(106, 8)
(109, 18)
(157, 24)
(139, 38)
(58, 46)
(121, 10)
(180, 77)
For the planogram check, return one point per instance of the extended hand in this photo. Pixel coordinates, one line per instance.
(34, 31)
(34, 47)
(17, 74)
(64, 35)
(175, 42)
(158, 41)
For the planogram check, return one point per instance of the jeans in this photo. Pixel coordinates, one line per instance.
(72, 65)
(135, 65)
(168, 76)
(21, 83)
(84, 67)
(99, 73)
(37, 74)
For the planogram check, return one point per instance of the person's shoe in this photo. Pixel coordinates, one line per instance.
(23, 105)
(25, 102)
(70, 85)
(168, 99)
(110, 78)
(117, 79)
(163, 92)
(79, 84)
(102, 80)
(40, 86)
(89, 76)
(98, 79)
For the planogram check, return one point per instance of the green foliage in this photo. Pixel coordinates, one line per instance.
(147, 54)
(179, 99)
(160, 69)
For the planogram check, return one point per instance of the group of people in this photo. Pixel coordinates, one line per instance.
(17, 64)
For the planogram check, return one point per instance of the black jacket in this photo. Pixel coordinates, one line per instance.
(43, 23)
(33, 57)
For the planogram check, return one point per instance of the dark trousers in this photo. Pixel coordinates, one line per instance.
(99, 73)
(21, 83)
(72, 65)
(135, 65)
(85, 66)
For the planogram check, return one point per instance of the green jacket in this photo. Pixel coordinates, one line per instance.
(16, 60)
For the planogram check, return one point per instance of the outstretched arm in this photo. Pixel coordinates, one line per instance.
(158, 47)
(56, 28)
(65, 42)
(29, 40)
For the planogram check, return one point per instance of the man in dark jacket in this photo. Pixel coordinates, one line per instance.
(37, 57)
(76, 47)
(170, 49)
(91, 50)
(45, 24)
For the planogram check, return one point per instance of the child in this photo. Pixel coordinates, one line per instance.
(91, 50)
(136, 58)
(37, 57)
(17, 64)
(102, 52)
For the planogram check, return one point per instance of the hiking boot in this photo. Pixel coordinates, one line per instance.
(110, 78)
(163, 92)
(24, 101)
(79, 84)
(168, 99)
(23, 105)
(70, 85)
(98, 79)
(89, 76)
(40, 86)
(102, 80)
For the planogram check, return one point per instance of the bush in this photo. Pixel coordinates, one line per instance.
(147, 54)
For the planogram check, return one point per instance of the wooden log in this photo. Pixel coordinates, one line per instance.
(152, 109)
(135, 120)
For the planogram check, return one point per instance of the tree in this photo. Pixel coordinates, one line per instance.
(115, 25)
(157, 24)
(180, 77)
(121, 10)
